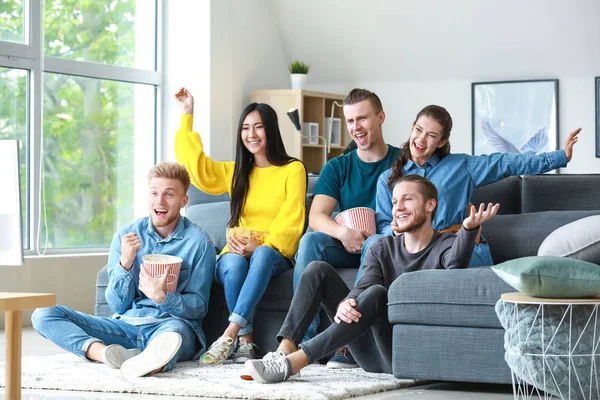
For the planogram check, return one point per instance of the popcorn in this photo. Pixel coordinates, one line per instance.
(245, 234)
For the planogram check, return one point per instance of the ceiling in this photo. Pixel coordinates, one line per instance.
(383, 40)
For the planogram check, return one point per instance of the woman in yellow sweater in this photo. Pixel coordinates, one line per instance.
(268, 193)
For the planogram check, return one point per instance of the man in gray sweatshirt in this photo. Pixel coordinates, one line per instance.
(360, 314)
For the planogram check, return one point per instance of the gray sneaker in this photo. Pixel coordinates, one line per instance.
(245, 352)
(273, 368)
(115, 355)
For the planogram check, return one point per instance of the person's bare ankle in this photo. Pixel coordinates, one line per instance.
(287, 346)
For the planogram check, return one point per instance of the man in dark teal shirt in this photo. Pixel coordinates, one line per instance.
(347, 181)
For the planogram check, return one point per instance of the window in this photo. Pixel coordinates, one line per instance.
(12, 21)
(109, 32)
(82, 102)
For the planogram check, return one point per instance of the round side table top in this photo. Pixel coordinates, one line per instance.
(517, 297)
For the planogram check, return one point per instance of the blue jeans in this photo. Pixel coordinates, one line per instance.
(319, 246)
(245, 281)
(75, 331)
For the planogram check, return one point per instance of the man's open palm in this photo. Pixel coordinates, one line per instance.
(479, 216)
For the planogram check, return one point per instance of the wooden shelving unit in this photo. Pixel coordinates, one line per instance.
(312, 107)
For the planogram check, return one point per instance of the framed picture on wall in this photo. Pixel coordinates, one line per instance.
(515, 116)
(597, 116)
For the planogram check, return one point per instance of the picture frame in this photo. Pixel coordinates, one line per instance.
(597, 86)
(518, 116)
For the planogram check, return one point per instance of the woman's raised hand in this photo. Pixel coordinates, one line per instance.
(571, 140)
(185, 100)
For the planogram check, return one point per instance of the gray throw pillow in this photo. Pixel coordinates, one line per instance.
(579, 239)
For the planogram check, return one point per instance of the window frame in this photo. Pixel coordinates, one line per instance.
(29, 56)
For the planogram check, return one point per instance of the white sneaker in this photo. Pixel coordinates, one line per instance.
(115, 355)
(273, 368)
(155, 356)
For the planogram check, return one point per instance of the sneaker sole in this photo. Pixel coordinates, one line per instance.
(248, 377)
(254, 374)
(114, 356)
(341, 365)
(156, 355)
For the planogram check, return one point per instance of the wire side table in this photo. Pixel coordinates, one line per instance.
(552, 346)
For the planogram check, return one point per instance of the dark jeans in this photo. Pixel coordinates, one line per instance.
(319, 246)
(369, 339)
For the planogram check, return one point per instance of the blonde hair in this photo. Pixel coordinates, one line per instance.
(170, 170)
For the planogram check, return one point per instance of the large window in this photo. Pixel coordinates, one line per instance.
(79, 91)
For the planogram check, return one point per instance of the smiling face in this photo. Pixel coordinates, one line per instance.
(166, 198)
(364, 125)
(254, 136)
(409, 208)
(425, 139)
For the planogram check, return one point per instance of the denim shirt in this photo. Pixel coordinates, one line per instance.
(190, 302)
(456, 175)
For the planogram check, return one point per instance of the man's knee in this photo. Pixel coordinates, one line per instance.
(374, 294)
(178, 326)
(310, 241)
(41, 316)
(320, 268)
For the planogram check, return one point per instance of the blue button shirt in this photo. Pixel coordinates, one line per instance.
(456, 175)
(190, 302)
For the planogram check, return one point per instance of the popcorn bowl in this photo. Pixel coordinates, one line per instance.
(156, 264)
(245, 234)
(361, 218)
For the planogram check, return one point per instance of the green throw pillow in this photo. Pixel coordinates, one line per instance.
(547, 276)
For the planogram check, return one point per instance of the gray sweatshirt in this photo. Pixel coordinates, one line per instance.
(387, 258)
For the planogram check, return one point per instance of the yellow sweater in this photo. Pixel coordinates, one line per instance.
(276, 200)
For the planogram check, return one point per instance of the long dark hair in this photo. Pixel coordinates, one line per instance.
(244, 160)
(442, 116)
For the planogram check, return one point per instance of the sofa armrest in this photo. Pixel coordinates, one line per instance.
(447, 297)
(101, 308)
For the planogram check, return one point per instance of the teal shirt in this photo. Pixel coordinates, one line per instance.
(353, 182)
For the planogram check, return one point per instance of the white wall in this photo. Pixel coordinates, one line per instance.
(221, 50)
(72, 278)
(246, 54)
(187, 63)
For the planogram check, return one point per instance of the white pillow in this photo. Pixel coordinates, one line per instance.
(580, 239)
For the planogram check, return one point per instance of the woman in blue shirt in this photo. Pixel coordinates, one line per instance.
(427, 153)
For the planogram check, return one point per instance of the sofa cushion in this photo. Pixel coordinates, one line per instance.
(520, 235)
(462, 297)
(212, 218)
(507, 192)
(560, 192)
(579, 239)
(554, 277)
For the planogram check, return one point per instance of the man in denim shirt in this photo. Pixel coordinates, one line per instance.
(152, 328)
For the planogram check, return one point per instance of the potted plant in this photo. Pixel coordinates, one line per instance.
(299, 70)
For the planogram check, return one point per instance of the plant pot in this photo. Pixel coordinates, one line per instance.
(299, 81)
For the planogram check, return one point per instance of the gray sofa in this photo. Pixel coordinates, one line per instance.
(445, 326)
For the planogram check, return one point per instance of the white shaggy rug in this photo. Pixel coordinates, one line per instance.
(68, 372)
